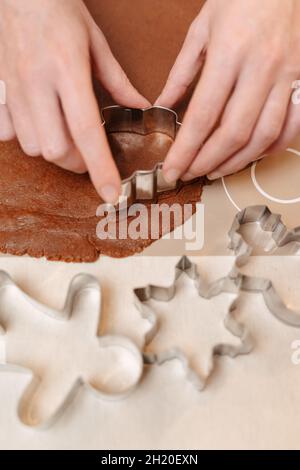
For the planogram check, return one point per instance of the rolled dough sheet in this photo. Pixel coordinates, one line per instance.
(47, 211)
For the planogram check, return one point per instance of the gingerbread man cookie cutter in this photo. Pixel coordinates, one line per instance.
(261, 216)
(268, 222)
(229, 284)
(80, 283)
(142, 185)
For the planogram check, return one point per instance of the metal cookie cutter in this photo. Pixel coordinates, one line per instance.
(281, 236)
(142, 185)
(227, 284)
(81, 283)
(268, 222)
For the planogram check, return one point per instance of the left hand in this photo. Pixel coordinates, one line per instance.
(250, 55)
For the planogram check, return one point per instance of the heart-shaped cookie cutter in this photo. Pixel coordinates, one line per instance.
(142, 185)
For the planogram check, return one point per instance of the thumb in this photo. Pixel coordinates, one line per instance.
(109, 72)
(188, 63)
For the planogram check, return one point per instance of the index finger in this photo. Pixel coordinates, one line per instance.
(83, 118)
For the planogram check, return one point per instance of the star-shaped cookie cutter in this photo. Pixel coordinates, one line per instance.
(228, 284)
(80, 283)
(270, 222)
(142, 185)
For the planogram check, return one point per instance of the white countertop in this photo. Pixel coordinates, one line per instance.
(250, 402)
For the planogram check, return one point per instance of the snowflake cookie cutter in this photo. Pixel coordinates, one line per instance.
(281, 236)
(79, 284)
(229, 284)
(142, 185)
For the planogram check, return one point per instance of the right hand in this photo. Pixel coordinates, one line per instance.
(47, 51)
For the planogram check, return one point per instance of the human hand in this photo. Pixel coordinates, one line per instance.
(249, 53)
(48, 49)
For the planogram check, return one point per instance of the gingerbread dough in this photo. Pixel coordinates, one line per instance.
(47, 211)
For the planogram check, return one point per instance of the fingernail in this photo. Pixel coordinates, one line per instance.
(109, 194)
(172, 175)
(32, 150)
(188, 176)
(214, 176)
